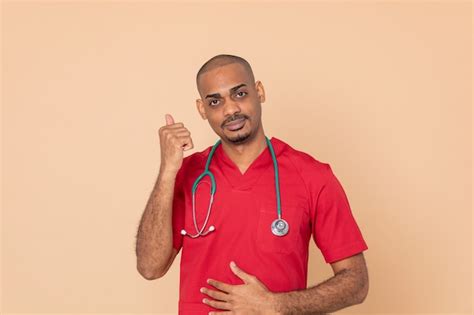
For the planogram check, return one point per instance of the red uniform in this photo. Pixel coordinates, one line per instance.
(313, 203)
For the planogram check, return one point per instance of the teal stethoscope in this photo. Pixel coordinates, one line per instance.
(279, 227)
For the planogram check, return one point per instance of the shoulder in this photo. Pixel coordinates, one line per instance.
(196, 156)
(305, 162)
(194, 160)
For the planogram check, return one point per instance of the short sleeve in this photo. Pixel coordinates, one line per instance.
(178, 210)
(334, 228)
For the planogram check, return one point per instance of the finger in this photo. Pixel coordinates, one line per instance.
(217, 295)
(240, 273)
(171, 128)
(176, 125)
(217, 304)
(220, 285)
(189, 145)
(215, 313)
(169, 119)
(181, 132)
(184, 142)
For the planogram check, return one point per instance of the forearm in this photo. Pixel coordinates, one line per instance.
(342, 290)
(155, 236)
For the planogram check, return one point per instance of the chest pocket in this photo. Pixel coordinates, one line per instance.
(270, 243)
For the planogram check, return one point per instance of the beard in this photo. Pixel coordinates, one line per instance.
(240, 138)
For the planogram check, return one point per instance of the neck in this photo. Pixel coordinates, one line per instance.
(244, 154)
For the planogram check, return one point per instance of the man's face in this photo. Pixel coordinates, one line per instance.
(231, 102)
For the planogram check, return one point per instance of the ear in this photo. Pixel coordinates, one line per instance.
(200, 108)
(260, 91)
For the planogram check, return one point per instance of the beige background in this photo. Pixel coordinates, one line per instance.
(381, 91)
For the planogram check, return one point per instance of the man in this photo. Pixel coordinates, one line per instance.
(235, 258)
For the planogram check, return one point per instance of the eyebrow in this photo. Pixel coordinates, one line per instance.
(217, 95)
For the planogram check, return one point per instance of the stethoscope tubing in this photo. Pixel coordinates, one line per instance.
(207, 217)
(207, 172)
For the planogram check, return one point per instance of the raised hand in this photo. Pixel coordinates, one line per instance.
(174, 140)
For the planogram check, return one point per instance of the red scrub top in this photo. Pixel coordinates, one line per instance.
(313, 203)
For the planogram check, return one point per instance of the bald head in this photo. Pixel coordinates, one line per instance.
(222, 60)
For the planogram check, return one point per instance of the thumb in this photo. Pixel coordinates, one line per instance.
(247, 278)
(169, 119)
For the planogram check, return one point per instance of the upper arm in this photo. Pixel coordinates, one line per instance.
(334, 228)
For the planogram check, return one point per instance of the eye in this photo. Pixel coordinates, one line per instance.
(245, 93)
(211, 102)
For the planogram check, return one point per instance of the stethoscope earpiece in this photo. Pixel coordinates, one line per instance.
(211, 228)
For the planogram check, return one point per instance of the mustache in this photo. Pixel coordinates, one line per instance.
(235, 117)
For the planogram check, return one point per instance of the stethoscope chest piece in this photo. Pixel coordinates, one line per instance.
(280, 227)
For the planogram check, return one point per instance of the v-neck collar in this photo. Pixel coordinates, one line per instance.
(263, 163)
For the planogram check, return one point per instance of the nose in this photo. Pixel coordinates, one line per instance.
(231, 107)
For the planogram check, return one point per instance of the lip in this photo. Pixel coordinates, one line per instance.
(236, 124)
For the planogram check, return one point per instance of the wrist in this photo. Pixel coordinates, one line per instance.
(168, 173)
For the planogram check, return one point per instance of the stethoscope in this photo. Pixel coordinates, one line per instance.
(279, 227)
